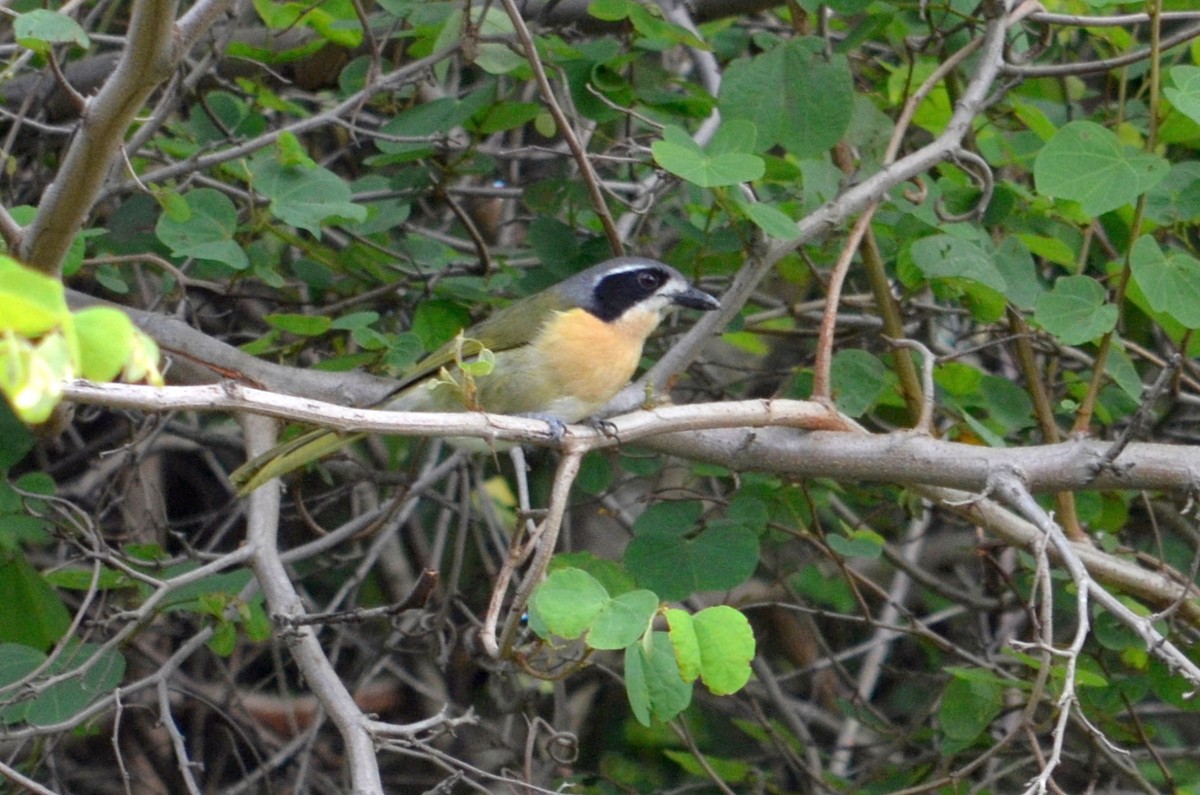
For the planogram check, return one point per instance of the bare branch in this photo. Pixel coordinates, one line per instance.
(147, 60)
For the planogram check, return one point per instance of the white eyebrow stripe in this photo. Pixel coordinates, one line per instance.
(633, 266)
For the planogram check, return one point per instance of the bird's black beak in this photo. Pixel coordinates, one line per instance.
(694, 298)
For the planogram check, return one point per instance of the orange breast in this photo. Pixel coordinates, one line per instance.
(589, 359)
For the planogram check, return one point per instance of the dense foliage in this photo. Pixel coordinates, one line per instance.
(922, 520)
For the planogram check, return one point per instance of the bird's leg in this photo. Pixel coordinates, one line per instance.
(557, 427)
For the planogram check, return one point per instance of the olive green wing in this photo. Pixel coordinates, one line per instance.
(508, 328)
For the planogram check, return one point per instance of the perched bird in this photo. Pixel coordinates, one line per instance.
(560, 355)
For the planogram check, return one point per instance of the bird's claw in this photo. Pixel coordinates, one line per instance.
(603, 426)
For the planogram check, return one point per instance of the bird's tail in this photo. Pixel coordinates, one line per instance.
(291, 455)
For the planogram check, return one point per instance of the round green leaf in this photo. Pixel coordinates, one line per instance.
(1087, 163)
(30, 303)
(1185, 94)
(968, 706)
(770, 219)
(1171, 283)
(726, 648)
(568, 602)
(675, 517)
(208, 231)
(675, 566)
(495, 56)
(105, 341)
(305, 197)
(63, 700)
(794, 95)
(684, 158)
(40, 28)
(610, 574)
(1075, 310)
(947, 257)
(622, 620)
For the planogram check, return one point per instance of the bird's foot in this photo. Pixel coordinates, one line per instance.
(601, 425)
(557, 427)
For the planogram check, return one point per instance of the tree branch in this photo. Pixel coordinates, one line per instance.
(147, 59)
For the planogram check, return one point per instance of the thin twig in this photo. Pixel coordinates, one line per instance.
(590, 180)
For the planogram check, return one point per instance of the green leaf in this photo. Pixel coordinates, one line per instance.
(303, 325)
(1121, 369)
(290, 152)
(80, 579)
(675, 516)
(726, 648)
(430, 120)
(15, 439)
(258, 623)
(208, 231)
(857, 544)
(1075, 311)
(685, 643)
(652, 680)
(947, 257)
(213, 589)
(608, 10)
(30, 303)
(968, 707)
(610, 574)
(568, 602)
(769, 219)
(859, 380)
(647, 21)
(1015, 264)
(668, 555)
(33, 613)
(305, 197)
(496, 57)
(437, 321)
(622, 620)
(32, 374)
(1171, 283)
(508, 116)
(328, 19)
(731, 771)
(1087, 163)
(1185, 94)
(17, 661)
(683, 157)
(64, 700)
(733, 136)
(38, 29)
(795, 97)
(1051, 249)
(105, 342)
(224, 638)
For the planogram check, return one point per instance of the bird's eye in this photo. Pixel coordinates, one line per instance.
(649, 280)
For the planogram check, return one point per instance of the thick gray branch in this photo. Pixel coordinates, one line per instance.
(147, 60)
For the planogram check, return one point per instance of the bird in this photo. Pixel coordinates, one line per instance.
(559, 355)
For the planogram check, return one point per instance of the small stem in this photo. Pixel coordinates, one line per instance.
(590, 179)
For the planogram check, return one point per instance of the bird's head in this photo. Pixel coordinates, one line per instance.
(613, 289)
